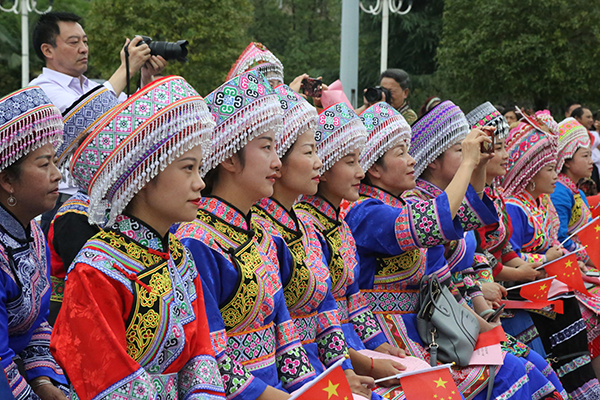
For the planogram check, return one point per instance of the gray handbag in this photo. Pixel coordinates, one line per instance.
(445, 326)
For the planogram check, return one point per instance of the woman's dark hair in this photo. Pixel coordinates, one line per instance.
(14, 170)
(46, 30)
(367, 180)
(399, 75)
(212, 176)
(578, 112)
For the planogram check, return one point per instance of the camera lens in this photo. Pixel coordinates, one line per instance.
(373, 95)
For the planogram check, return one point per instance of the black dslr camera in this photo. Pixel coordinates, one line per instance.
(374, 95)
(168, 50)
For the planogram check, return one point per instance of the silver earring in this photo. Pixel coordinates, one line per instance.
(532, 185)
(12, 200)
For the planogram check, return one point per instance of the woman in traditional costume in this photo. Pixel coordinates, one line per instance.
(530, 179)
(392, 269)
(259, 352)
(305, 275)
(493, 240)
(70, 228)
(133, 323)
(31, 128)
(574, 162)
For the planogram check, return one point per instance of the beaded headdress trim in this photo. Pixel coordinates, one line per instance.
(28, 121)
(434, 133)
(383, 136)
(298, 117)
(487, 115)
(146, 151)
(571, 136)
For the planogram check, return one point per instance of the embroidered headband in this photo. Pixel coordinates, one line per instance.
(529, 150)
(487, 115)
(80, 117)
(435, 132)
(136, 140)
(386, 127)
(298, 117)
(571, 136)
(244, 108)
(28, 121)
(339, 131)
(256, 55)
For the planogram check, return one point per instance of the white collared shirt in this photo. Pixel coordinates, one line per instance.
(63, 90)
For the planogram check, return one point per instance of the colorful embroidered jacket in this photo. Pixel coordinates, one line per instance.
(68, 233)
(254, 338)
(535, 227)
(573, 212)
(458, 257)
(360, 327)
(133, 323)
(306, 283)
(392, 235)
(494, 239)
(24, 301)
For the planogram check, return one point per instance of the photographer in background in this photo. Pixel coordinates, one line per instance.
(397, 82)
(60, 41)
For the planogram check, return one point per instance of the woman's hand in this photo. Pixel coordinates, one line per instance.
(528, 273)
(553, 253)
(360, 385)
(296, 84)
(471, 147)
(46, 391)
(387, 348)
(383, 368)
(493, 291)
(582, 267)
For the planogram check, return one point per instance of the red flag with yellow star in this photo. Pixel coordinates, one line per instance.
(536, 291)
(567, 271)
(590, 238)
(330, 385)
(430, 385)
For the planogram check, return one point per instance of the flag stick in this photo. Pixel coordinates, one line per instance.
(529, 283)
(560, 258)
(405, 374)
(310, 384)
(579, 230)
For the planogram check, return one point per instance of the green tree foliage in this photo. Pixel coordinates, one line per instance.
(216, 31)
(10, 42)
(413, 41)
(544, 53)
(303, 34)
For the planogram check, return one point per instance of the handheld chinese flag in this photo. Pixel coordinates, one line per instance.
(434, 384)
(590, 238)
(567, 271)
(330, 385)
(536, 291)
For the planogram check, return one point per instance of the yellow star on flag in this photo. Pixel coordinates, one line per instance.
(331, 389)
(441, 383)
(543, 287)
(597, 228)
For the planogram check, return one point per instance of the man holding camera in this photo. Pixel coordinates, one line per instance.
(393, 87)
(60, 41)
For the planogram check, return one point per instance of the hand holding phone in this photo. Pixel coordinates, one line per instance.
(496, 313)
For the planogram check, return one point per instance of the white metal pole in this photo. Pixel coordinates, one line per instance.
(24, 44)
(385, 22)
(349, 49)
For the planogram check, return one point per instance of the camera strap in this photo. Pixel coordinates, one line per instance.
(127, 68)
